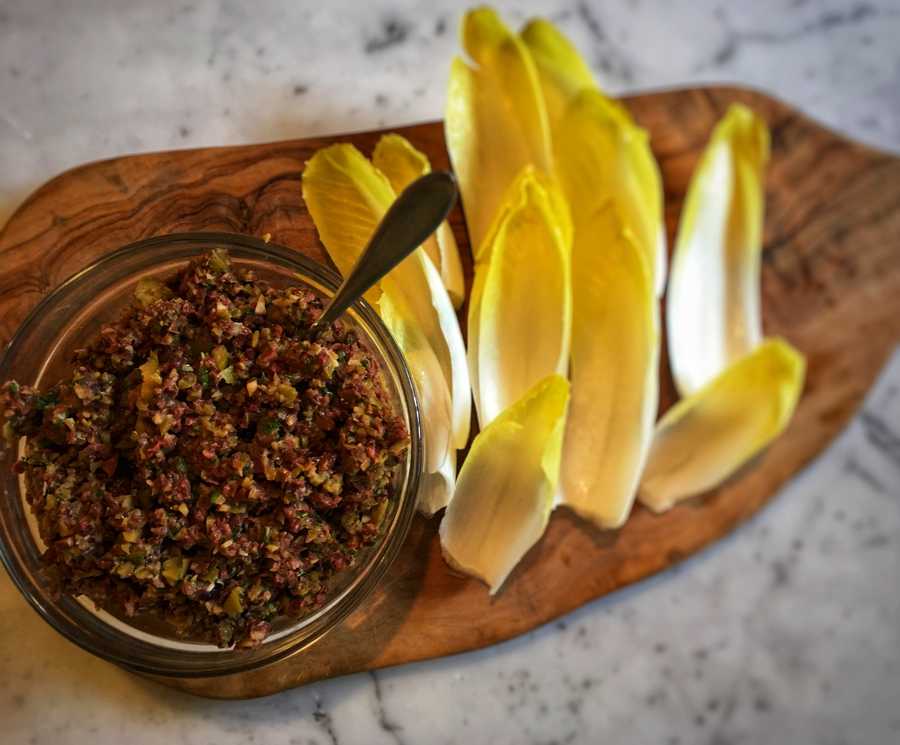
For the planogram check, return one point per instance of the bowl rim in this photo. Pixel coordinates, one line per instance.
(386, 551)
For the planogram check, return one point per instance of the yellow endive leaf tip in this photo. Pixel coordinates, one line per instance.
(747, 131)
(482, 32)
(554, 52)
(706, 437)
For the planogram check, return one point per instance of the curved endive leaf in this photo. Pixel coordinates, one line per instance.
(706, 437)
(397, 159)
(474, 332)
(615, 386)
(562, 72)
(504, 493)
(601, 156)
(712, 312)
(420, 285)
(402, 164)
(528, 180)
(451, 267)
(524, 305)
(495, 121)
(563, 76)
(347, 197)
(431, 387)
(436, 488)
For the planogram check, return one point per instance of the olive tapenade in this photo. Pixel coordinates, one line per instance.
(205, 463)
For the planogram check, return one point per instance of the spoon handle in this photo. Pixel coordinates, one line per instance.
(413, 216)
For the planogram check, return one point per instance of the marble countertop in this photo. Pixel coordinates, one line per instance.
(788, 631)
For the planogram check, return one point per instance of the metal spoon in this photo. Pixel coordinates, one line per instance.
(413, 216)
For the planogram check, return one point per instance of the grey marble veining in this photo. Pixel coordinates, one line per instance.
(786, 632)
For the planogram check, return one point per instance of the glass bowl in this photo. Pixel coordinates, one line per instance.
(39, 354)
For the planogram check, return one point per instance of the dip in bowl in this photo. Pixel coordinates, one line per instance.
(193, 488)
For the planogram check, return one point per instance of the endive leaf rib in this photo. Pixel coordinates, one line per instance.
(402, 164)
(713, 303)
(504, 493)
(615, 353)
(495, 121)
(707, 436)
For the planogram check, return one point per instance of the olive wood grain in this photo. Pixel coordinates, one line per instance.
(830, 284)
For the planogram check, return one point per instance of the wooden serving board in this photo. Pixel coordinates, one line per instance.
(830, 284)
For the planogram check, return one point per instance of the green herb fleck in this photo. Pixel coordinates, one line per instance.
(269, 426)
(45, 401)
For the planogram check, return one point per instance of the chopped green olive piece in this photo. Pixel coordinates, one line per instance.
(220, 357)
(174, 569)
(148, 291)
(234, 604)
(218, 260)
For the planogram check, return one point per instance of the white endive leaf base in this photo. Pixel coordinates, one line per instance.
(504, 493)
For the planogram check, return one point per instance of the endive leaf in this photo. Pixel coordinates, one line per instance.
(528, 179)
(712, 312)
(495, 121)
(706, 437)
(436, 488)
(347, 197)
(563, 76)
(420, 285)
(451, 267)
(474, 332)
(431, 387)
(402, 164)
(399, 161)
(525, 305)
(504, 493)
(615, 387)
(562, 72)
(601, 156)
